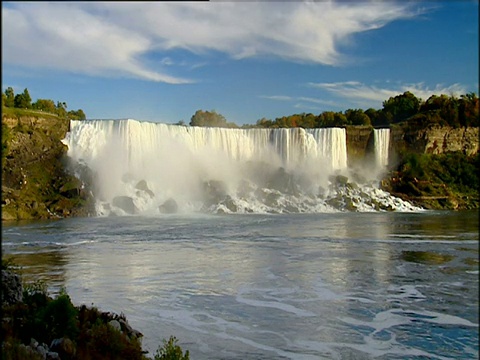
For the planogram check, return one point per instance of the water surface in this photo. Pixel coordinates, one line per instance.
(383, 285)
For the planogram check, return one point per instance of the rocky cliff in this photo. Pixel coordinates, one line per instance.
(359, 144)
(35, 184)
(435, 139)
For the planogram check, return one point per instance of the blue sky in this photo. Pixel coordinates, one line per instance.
(162, 61)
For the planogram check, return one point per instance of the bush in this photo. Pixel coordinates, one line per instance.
(171, 351)
(88, 330)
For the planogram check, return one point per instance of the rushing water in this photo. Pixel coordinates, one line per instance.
(144, 168)
(378, 285)
(382, 144)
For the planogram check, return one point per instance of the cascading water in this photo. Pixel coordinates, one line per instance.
(382, 142)
(151, 168)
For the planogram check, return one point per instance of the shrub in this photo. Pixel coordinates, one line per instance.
(171, 351)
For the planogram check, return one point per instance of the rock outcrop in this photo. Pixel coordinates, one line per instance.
(435, 139)
(35, 180)
(12, 288)
(359, 143)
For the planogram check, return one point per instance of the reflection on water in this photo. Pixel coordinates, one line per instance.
(426, 257)
(47, 266)
(376, 285)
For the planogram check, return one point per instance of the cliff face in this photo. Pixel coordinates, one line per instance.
(35, 184)
(359, 143)
(435, 139)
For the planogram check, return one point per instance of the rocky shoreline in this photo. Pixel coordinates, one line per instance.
(37, 326)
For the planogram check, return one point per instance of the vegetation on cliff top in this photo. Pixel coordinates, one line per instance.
(443, 110)
(21, 104)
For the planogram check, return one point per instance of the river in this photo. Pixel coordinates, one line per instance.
(343, 285)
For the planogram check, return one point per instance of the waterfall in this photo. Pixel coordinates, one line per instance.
(381, 143)
(145, 167)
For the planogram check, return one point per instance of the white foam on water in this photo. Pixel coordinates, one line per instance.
(221, 170)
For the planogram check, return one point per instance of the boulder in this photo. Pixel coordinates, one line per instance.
(169, 207)
(64, 347)
(215, 191)
(12, 288)
(230, 204)
(126, 204)
(142, 185)
(115, 324)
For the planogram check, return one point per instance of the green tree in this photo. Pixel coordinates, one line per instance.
(325, 119)
(210, 118)
(469, 105)
(9, 97)
(357, 117)
(76, 115)
(446, 108)
(264, 123)
(61, 109)
(23, 100)
(401, 107)
(307, 120)
(44, 105)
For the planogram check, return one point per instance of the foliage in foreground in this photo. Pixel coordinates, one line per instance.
(88, 330)
(171, 351)
(449, 180)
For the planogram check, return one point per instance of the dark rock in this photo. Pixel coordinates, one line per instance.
(169, 207)
(64, 347)
(115, 324)
(339, 180)
(52, 355)
(126, 204)
(12, 288)
(283, 182)
(230, 204)
(142, 185)
(214, 191)
(271, 200)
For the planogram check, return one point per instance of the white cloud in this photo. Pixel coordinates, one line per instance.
(368, 95)
(115, 38)
(277, 97)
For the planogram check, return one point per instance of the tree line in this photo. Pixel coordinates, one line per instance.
(445, 110)
(24, 101)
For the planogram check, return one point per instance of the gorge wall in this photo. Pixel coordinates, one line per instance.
(405, 137)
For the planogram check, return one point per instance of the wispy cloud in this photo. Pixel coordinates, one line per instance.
(277, 97)
(115, 39)
(370, 95)
(302, 102)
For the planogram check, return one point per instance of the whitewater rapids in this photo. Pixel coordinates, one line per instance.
(147, 168)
